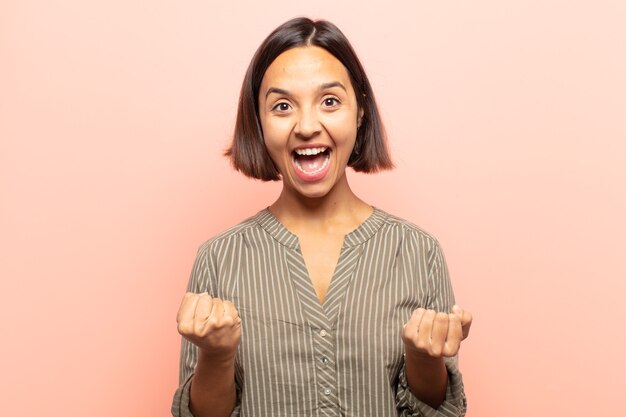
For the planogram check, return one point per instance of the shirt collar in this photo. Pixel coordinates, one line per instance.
(361, 234)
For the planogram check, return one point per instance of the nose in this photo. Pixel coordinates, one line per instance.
(308, 124)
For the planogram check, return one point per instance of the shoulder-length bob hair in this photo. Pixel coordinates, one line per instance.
(248, 153)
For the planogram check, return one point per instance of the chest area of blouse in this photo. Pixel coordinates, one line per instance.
(270, 283)
(321, 254)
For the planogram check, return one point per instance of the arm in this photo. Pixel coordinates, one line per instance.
(213, 392)
(428, 338)
(430, 383)
(211, 330)
(214, 327)
(427, 378)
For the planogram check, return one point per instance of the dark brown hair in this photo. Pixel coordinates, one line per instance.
(248, 153)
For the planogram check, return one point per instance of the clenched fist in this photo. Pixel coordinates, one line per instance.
(210, 323)
(436, 334)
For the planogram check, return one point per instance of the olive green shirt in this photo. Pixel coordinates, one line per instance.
(344, 357)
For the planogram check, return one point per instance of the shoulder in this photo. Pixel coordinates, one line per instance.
(231, 235)
(408, 229)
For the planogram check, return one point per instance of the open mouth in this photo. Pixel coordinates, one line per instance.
(311, 161)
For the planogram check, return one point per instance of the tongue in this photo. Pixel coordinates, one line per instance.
(311, 163)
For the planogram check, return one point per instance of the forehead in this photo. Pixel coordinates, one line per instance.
(304, 66)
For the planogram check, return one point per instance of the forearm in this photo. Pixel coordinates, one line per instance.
(427, 377)
(213, 392)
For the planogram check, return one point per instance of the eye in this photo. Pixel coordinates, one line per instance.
(331, 102)
(281, 107)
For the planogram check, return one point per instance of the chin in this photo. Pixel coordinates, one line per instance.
(314, 194)
(313, 190)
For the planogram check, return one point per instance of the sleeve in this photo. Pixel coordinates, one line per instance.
(440, 298)
(202, 279)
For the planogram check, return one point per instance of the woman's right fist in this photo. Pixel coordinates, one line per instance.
(210, 323)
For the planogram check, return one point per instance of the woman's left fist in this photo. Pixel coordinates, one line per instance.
(436, 334)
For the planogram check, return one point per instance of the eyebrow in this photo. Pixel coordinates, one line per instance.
(276, 90)
(324, 86)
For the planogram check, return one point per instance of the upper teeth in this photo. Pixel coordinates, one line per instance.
(310, 151)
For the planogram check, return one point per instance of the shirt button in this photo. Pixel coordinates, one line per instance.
(324, 360)
(327, 391)
(323, 333)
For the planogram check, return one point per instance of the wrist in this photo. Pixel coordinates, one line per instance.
(426, 376)
(423, 359)
(215, 361)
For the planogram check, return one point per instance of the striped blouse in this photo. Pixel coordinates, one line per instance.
(344, 357)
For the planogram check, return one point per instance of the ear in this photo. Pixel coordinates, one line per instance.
(359, 119)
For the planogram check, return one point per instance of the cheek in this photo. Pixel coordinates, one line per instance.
(276, 129)
(343, 130)
(273, 148)
(275, 137)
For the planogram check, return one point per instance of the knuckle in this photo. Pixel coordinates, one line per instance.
(409, 338)
(455, 332)
(441, 317)
(422, 344)
(183, 328)
(448, 351)
(199, 325)
(406, 332)
(200, 333)
(417, 313)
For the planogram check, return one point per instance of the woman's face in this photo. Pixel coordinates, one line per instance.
(309, 113)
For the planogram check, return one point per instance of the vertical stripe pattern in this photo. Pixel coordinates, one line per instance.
(344, 357)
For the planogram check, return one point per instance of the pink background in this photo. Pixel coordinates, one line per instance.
(507, 120)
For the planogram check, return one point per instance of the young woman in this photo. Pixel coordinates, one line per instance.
(320, 304)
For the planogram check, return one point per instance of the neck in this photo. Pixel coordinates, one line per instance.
(340, 205)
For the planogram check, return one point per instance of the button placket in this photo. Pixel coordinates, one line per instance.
(325, 351)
